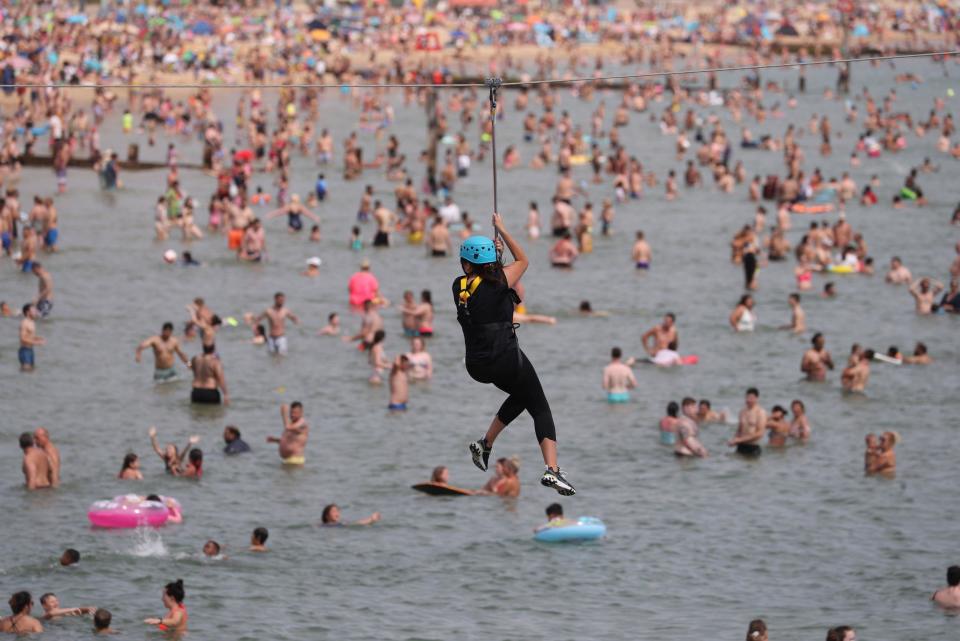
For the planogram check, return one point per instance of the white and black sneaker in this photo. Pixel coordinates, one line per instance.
(481, 453)
(554, 478)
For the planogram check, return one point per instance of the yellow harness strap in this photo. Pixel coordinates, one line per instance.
(467, 288)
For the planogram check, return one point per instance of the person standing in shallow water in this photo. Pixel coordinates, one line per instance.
(485, 300)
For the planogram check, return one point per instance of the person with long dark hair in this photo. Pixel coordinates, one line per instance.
(485, 301)
(175, 621)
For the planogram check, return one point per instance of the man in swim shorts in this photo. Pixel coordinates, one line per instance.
(276, 316)
(208, 379)
(618, 378)
(28, 338)
(370, 323)
(751, 426)
(292, 443)
(641, 253)
(662, 335)
(949, 597)
(399, 384)
(164, 346)
(798, 318)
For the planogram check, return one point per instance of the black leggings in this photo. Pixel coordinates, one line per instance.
(514, 374)
(749, 267)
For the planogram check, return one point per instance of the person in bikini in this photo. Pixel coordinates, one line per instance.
(175, 620)
(20, 622)
(173, 459)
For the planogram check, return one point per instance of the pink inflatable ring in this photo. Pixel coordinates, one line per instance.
(132, 511)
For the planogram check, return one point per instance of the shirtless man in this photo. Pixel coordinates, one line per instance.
(386, 221)
(884, 459)
(370, 322)
(438, 241)
(949, 597)
(898, 274)
(164, 346)
(28, 249)
(276, 316)
(44, 299)
(28, 338)
(751, 426)
(399, 384)
(798, 318)
(662, 335)
(618, 378)
(365, 207)
(208, 379)
(293, 442)
(855, 377)
(37, 471)
(816, 360)
(778, 427)
(41, 438)
(52, 609)
(408, 314)
(924, 292)
(641, 253)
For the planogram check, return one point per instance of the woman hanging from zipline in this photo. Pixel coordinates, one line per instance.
(485, 300)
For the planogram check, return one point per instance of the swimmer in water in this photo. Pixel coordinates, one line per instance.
(164, 346)
(586, 309)
(924, 292)
(668, 424)
(660, 336)
(293, 211)
(332, 328)
(618, 378)
(20, 622)
(331, 517)
(688, 432)
(949, 597)
(855, 377)
(641, 252)
(258, 540)
(131, 468)
(706, 415)
(919, 356)
(420, 361)
(399, 384)
(173, 459)
(175, 620)
(884, 460)
(292, 443)
(778, 427)
(211, 549)
(52, 609)
(798, 318)
(799, 426)
(743, 318)
(751, 426)
(485, 301)
(816, 360)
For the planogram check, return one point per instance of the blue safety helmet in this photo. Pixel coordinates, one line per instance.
(478, 250)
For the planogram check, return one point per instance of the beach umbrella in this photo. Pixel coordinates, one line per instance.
(92, 64)
(861, 31)
(518, 26)
(202, 28)
(320, 35)
(315, 24)
(77, 18)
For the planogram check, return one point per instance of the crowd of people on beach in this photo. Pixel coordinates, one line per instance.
(251, 186)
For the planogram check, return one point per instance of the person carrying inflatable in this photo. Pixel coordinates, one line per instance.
(485, 300)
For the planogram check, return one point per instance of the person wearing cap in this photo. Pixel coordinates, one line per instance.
(485, 300)
(313, 267)
(363, 286)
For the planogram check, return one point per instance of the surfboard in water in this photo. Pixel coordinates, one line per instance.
(440, 489)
